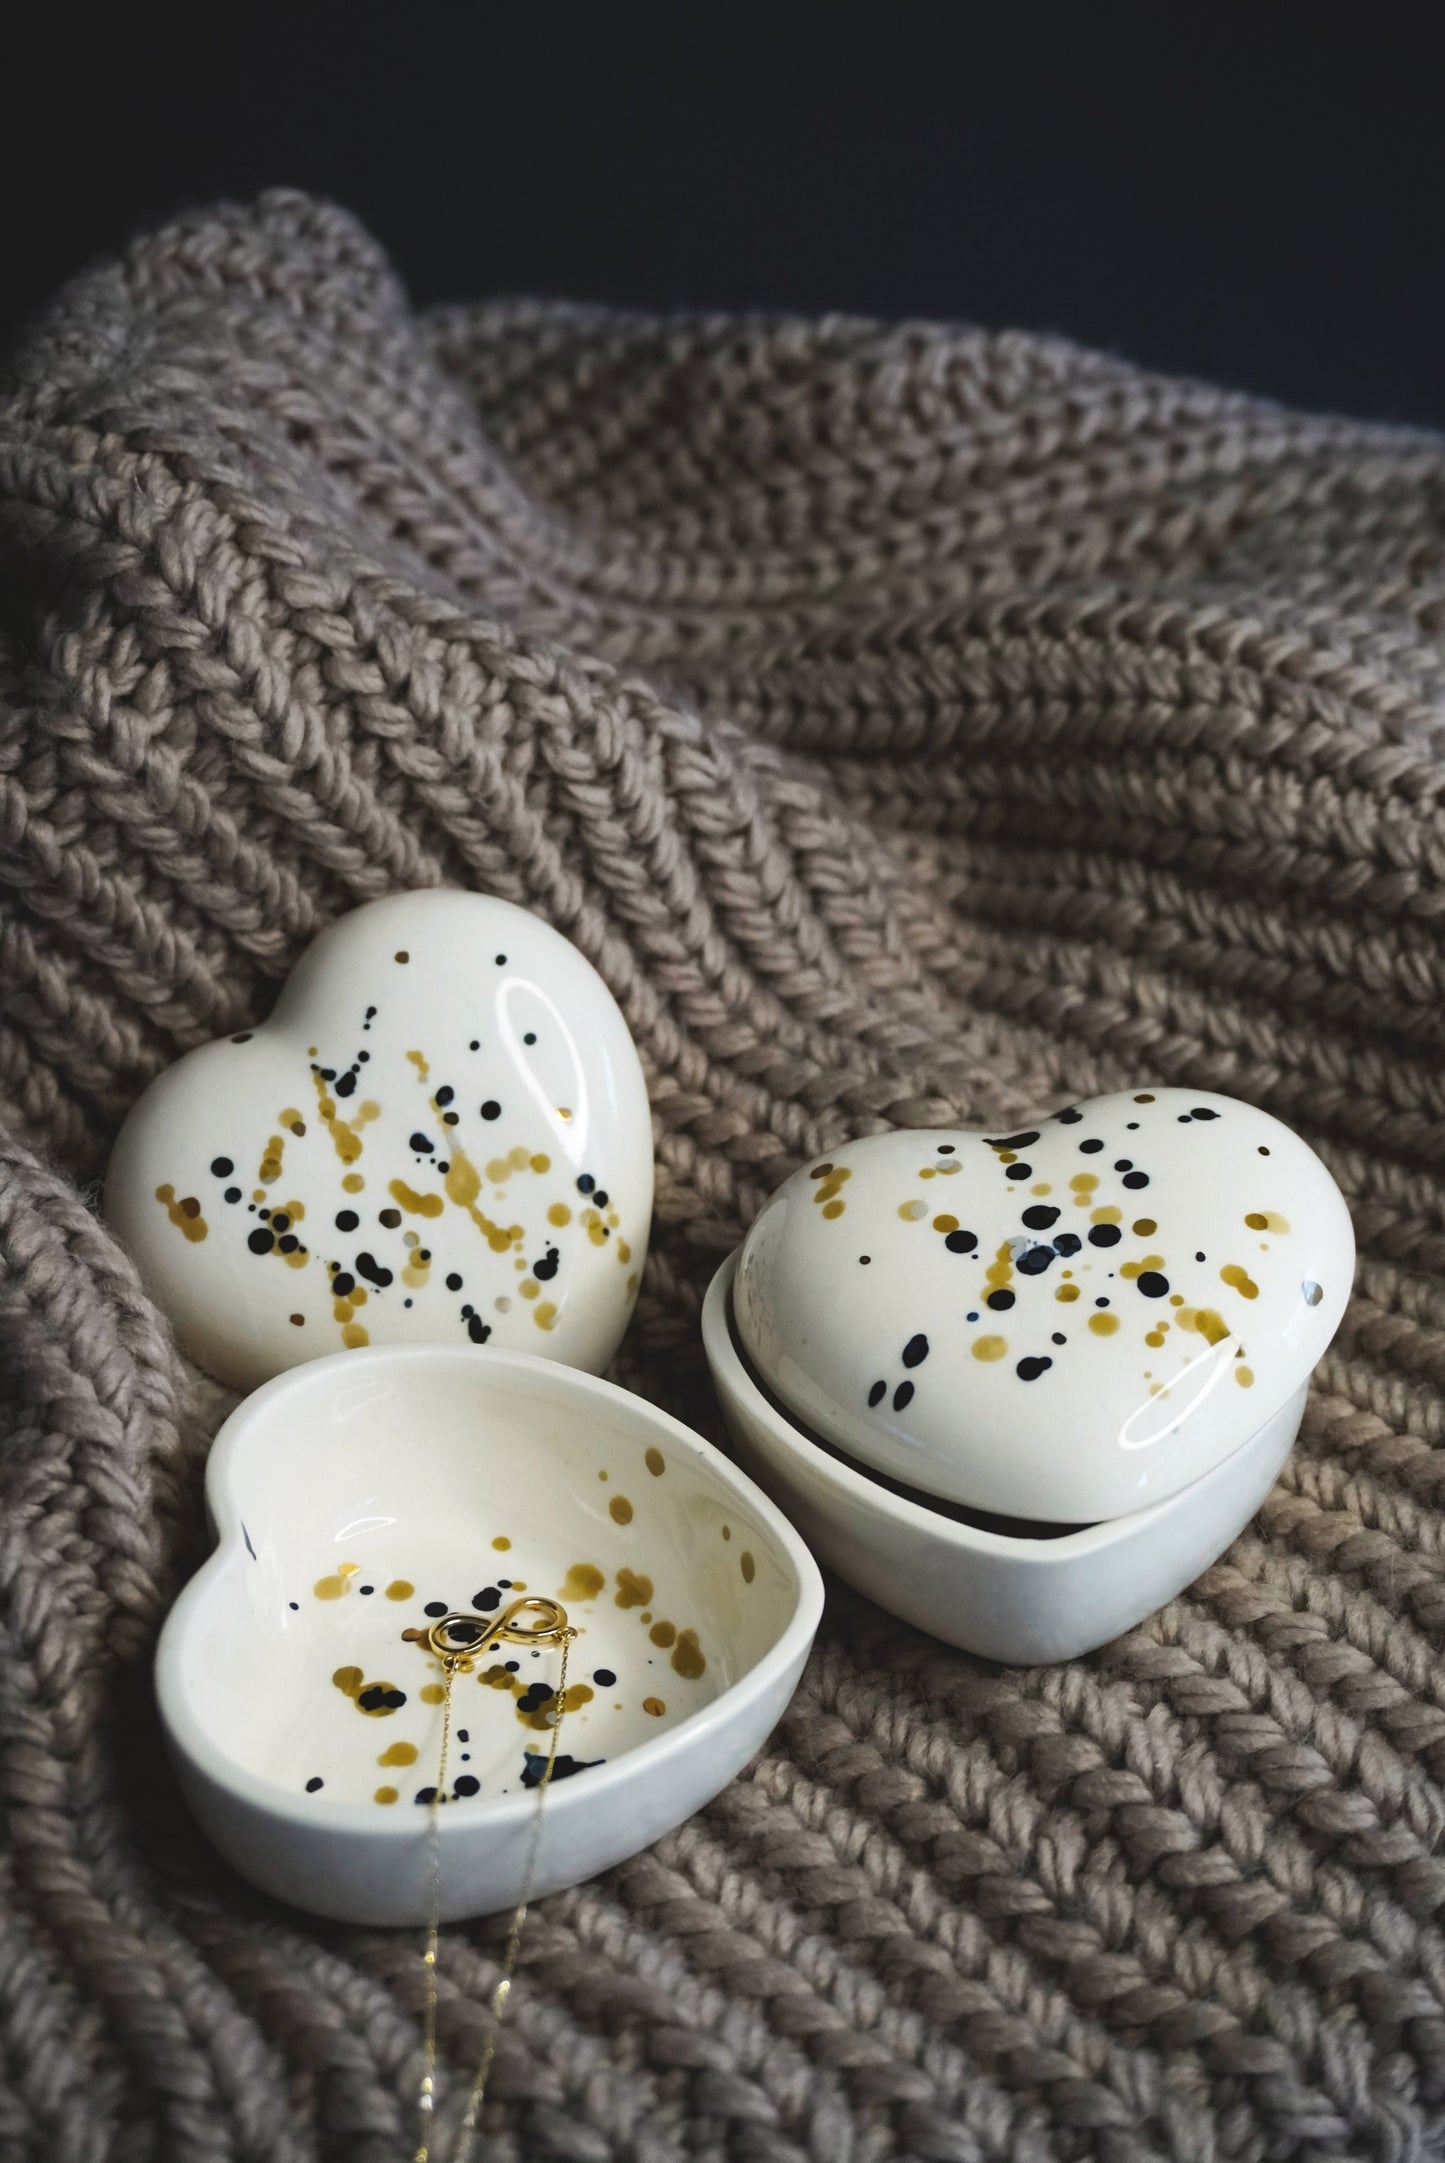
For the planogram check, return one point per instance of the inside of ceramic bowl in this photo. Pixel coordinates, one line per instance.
(371, 1504)
(1016, 1528)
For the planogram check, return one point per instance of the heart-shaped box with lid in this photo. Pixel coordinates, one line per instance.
(1022, 1387)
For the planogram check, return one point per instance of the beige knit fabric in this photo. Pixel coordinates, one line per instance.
(910, 724)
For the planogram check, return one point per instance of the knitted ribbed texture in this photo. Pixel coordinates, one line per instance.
(911, 725)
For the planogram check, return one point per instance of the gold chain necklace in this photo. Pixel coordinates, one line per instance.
(459, 1640)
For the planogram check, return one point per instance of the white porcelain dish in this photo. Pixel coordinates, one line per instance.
(440, 1135)
(1039, 1593)
(354, 1493)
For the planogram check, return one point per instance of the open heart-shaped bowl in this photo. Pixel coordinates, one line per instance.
(359, 1496)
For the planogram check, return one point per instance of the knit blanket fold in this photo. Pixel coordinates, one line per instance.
(912, 725)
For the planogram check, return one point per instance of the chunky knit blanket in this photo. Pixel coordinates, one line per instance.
(911, 725)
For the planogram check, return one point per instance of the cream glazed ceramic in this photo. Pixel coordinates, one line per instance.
(1069, 1323)
(361, 1496)
(441, 1133)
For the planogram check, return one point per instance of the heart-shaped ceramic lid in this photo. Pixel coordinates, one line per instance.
(441, 1134)
(1064, 1323)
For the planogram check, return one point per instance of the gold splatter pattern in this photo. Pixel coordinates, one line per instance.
(687, 1656)
(1207, 1321)
(633, 1589)
(418, 1205)
(583, 1582)
(536, 1702)
(619, 1509)
(655, 1462)
(1239, 1280)
(464, 1185)
(828, 1193)
(999, 1277)
(345, 1133)
(378, 1700)
(184, 1214)
(600, 1220)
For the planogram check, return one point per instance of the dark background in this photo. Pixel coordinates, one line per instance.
(1254, 194)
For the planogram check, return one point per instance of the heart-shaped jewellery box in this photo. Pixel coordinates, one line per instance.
(1020, 1389)
(441, 1135)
